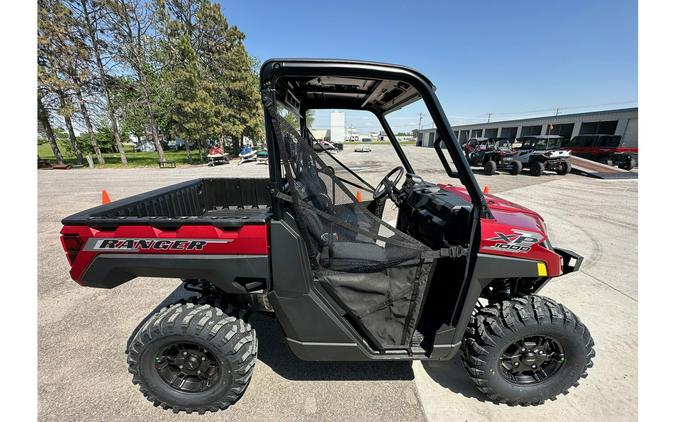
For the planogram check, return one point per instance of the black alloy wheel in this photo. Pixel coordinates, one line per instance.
(189, 368)
(532, 360)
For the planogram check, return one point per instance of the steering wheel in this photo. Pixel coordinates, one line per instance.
(388, 186)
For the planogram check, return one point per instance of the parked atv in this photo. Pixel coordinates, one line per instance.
(459, 274)
(542, 152)
(492, 154)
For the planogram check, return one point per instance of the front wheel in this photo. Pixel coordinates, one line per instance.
(193, 358)
(564, 168)
(526, 350)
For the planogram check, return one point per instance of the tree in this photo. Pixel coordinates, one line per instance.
(90, 17)
(46, 127)
(206, 63)
(57, 51)
(129, 23)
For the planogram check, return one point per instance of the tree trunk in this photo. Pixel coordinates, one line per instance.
(189, 152)
(235, 145)
(104, 83)
(43, 117)
(90, 128)
(71, 131)
(150, 114)
(201, 151)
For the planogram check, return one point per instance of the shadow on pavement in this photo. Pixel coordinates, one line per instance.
(452, 375)
(273, 351)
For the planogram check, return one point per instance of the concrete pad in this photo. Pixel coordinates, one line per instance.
(82, 332)
(597, 219)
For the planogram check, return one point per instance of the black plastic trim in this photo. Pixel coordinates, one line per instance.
(567, 257)
(220, 202)
(110, 270)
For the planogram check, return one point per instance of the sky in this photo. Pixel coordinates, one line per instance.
(509, 59)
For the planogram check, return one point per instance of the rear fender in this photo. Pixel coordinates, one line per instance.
(233, 274)
(235, 260)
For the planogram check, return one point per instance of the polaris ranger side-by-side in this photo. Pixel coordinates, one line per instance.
(459, 273)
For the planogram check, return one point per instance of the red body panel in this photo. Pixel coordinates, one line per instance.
(515, 231)
(246, 240)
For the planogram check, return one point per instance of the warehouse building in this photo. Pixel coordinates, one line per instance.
(622, 122)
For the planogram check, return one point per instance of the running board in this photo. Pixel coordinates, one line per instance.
(312, 351)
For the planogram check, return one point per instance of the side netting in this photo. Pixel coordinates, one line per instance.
(378, 273)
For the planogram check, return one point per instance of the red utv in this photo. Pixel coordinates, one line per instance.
(458, 275)
(606, 149)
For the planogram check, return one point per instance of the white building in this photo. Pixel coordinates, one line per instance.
(623, 122)
(337, 126)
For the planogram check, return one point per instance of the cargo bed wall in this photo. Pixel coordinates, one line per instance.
(199, 201)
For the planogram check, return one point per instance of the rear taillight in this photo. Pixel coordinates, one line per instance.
(72, 244)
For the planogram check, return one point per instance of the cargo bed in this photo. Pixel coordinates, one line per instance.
(221, 202)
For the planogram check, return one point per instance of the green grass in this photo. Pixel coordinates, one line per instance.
(134, 159)
(145, 159)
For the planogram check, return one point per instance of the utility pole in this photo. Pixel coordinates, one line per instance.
(556, 111)
(489, 115)
(419, 126)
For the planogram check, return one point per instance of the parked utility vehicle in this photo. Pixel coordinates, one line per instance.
(542, 152)
(492, 154)
(458, 274)
(606, 149)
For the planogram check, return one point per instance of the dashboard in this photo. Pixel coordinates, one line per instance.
(433, 216)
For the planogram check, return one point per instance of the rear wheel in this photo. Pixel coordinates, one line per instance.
(526, 350)
(516, 167)
(628, 164)
(193, 358)
(564, 168)
(489, 167)
(536, 168)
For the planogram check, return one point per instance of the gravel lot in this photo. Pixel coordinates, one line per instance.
(82, 332)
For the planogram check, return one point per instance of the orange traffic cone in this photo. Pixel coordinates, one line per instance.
(358, 196)
(486, 189)
(105, 199)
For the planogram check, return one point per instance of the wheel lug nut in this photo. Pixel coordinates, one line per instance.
(516, 364)
(534, 366)
(181, 367)
(199, 372)
(522, 350)
(203, 358)
(184, 353)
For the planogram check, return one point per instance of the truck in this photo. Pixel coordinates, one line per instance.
(458, 274)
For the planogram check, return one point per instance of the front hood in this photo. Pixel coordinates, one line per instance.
(504, 212)
(514, 231)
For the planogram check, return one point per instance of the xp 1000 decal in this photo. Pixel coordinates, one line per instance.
(516, 241)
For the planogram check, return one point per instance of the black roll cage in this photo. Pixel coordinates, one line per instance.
(275, 69)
